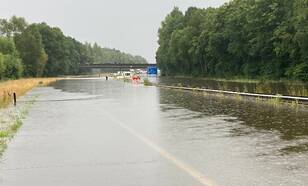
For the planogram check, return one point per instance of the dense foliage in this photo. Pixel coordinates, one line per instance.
(34, 50)
(242, 38)
(10, 63)
(106, 55)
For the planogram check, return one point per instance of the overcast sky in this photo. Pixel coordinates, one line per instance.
(128, 25)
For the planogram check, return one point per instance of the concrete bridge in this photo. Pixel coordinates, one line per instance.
(117, 65)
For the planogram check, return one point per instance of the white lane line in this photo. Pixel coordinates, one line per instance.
(178, 163)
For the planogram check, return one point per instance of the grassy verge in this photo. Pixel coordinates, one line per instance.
(10, 121)
(20, 87)
(11, 117)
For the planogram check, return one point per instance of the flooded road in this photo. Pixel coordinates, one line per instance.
(261, 87)
(97, 132)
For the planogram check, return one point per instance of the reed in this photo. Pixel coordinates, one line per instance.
(275, 101)
(147, 82)
(295, 104)
(20, 87)
(238, 97)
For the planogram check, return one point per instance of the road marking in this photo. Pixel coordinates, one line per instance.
(165, 154)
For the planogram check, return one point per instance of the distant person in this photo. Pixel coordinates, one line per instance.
(106, 78)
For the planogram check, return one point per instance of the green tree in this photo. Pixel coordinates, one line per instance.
(264, 38)
(7, 46)
(13, 67)
(13, 26)
(54, 45)
(30, 47)
(172, 22)
(40, 50)
(107, 55)
(10, 65)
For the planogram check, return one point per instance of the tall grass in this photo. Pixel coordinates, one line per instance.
(20, 87)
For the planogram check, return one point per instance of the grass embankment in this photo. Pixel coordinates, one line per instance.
(20, 87)
(10, 117)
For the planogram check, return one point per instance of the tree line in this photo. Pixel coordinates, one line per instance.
(107, 55)
(243, 38)
(35, 50)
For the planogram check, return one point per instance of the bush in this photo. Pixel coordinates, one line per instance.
(251, 70)
(10, 67)
(301, 72)
(13, 67)
(10, 64)
(272, 70)
(7, 46)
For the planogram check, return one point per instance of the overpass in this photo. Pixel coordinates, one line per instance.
(118, 65)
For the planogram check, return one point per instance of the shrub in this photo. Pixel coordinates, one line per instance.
(13, 67)
(301, 72)
(7, 46)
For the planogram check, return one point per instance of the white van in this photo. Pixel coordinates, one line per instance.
(127, 74)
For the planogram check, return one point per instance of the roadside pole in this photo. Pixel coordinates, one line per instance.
(14, 96)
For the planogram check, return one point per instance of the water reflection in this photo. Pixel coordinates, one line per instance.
(222, 137)
(290, 125)
(282, 88)
(240, 117)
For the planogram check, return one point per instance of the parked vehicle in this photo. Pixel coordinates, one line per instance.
(127, 74)
(136, 77)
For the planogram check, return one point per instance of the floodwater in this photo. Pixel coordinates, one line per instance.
(97, 132)
(282, 88)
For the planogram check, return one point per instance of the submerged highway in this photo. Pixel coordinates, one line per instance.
(97, 132)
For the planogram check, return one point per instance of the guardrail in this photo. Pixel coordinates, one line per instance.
(266, 96)
(117, 65)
